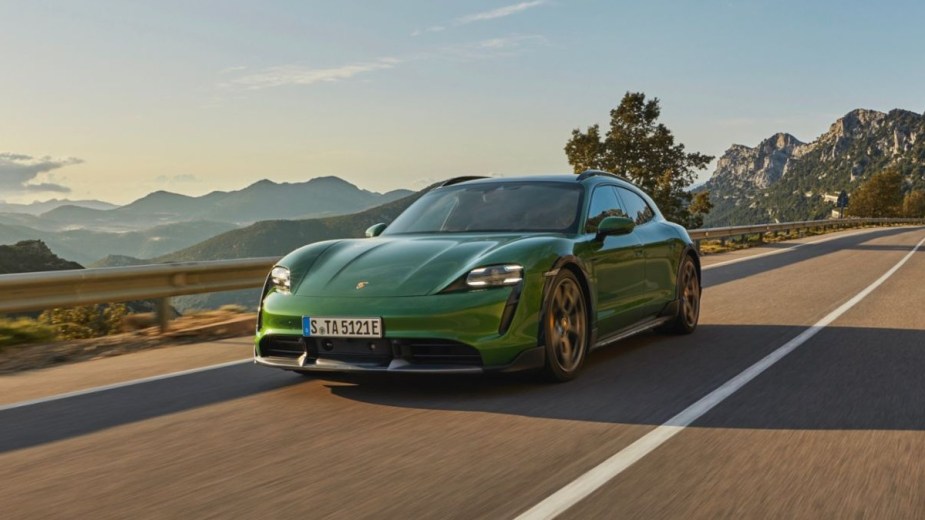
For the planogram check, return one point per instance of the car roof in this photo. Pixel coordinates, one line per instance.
(588, 177)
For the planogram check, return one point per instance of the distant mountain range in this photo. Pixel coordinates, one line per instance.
(268, 238)
(37, 208)
(262, 200)
(162, 222)
(783, 179)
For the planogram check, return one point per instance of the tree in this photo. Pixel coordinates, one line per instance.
(879, 197)
(700, 206)
(914, 204)
(640, 148)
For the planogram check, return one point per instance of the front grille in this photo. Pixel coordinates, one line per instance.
(282, 346)
(440, 352)
(379, 352)
(351, 350)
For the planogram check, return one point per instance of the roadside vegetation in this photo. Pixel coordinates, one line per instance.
(21, 331)
(882, 196)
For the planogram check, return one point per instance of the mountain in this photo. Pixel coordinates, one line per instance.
(783, 179)
(118, 261)
(86, 246)
(37, 208)
(262, 200)
(31, 255)
(278, 237)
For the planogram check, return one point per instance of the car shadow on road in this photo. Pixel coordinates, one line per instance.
(83, 414)
(844, 378)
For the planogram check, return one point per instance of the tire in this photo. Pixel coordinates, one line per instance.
(566, 329)
(689, 292)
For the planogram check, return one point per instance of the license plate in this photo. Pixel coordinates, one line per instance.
(342, 327)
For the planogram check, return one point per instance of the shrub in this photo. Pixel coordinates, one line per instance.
(88, 321)
(24, 330)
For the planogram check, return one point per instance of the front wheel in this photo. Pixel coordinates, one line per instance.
(565, 328)
(689, 292)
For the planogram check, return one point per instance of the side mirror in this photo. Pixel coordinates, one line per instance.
(375, 230)
(615, 226)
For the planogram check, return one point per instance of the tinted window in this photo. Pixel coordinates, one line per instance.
(515, 206)
(636, 207)
(604, 203)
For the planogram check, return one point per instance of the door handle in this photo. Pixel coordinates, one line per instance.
(640, 253)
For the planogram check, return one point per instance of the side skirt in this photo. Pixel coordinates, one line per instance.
(632, 330)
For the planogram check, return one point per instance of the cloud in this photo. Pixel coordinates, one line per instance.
(507, 46)
(20, 173)
(301, 75)
(483, 16)
(287, 75)
(500, 12)
(432, 29)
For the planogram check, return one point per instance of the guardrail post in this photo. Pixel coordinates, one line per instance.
(164, 313)
(697, 246)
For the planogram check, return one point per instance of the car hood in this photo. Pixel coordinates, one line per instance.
(400, 265)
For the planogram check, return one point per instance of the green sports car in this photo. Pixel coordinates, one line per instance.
(485, 274)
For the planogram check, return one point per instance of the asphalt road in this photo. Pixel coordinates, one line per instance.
(832, 430)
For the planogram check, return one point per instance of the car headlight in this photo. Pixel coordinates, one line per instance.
(280, 279)
(495, 276)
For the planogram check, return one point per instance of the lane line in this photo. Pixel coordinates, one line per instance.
(789, 249)
(578, 489)
(123, 384)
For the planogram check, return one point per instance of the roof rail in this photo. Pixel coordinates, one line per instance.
(457, 180)
(594, 173)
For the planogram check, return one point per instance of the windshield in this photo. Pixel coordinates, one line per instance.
(516, 206)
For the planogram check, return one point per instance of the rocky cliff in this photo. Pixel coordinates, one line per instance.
(783, 179)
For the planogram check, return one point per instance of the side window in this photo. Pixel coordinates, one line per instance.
(604, 203)
(636, 207)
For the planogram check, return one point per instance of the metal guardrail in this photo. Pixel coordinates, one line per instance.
(735, 231)
(49, 289)
(44, 290)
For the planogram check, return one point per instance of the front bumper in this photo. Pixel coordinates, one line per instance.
(529, 359)
(465, 324)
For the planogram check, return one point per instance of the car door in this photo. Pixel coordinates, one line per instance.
(617, 264)
(661, 251)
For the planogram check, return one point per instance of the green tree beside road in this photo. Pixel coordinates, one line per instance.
(914, 204)
(642, 149)
(879, 197)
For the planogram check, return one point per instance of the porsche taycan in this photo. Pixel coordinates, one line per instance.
(485, 274)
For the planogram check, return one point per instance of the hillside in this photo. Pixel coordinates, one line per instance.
(783, 179)
(278, 237)
(86, 246)
(29, 256)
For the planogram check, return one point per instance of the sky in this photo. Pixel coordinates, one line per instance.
(111, 100)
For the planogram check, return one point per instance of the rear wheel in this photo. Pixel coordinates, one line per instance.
(565, 327)
(689, 301)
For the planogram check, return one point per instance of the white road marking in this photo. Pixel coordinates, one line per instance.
(586, 484)
(103, 388)
(789, 249)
